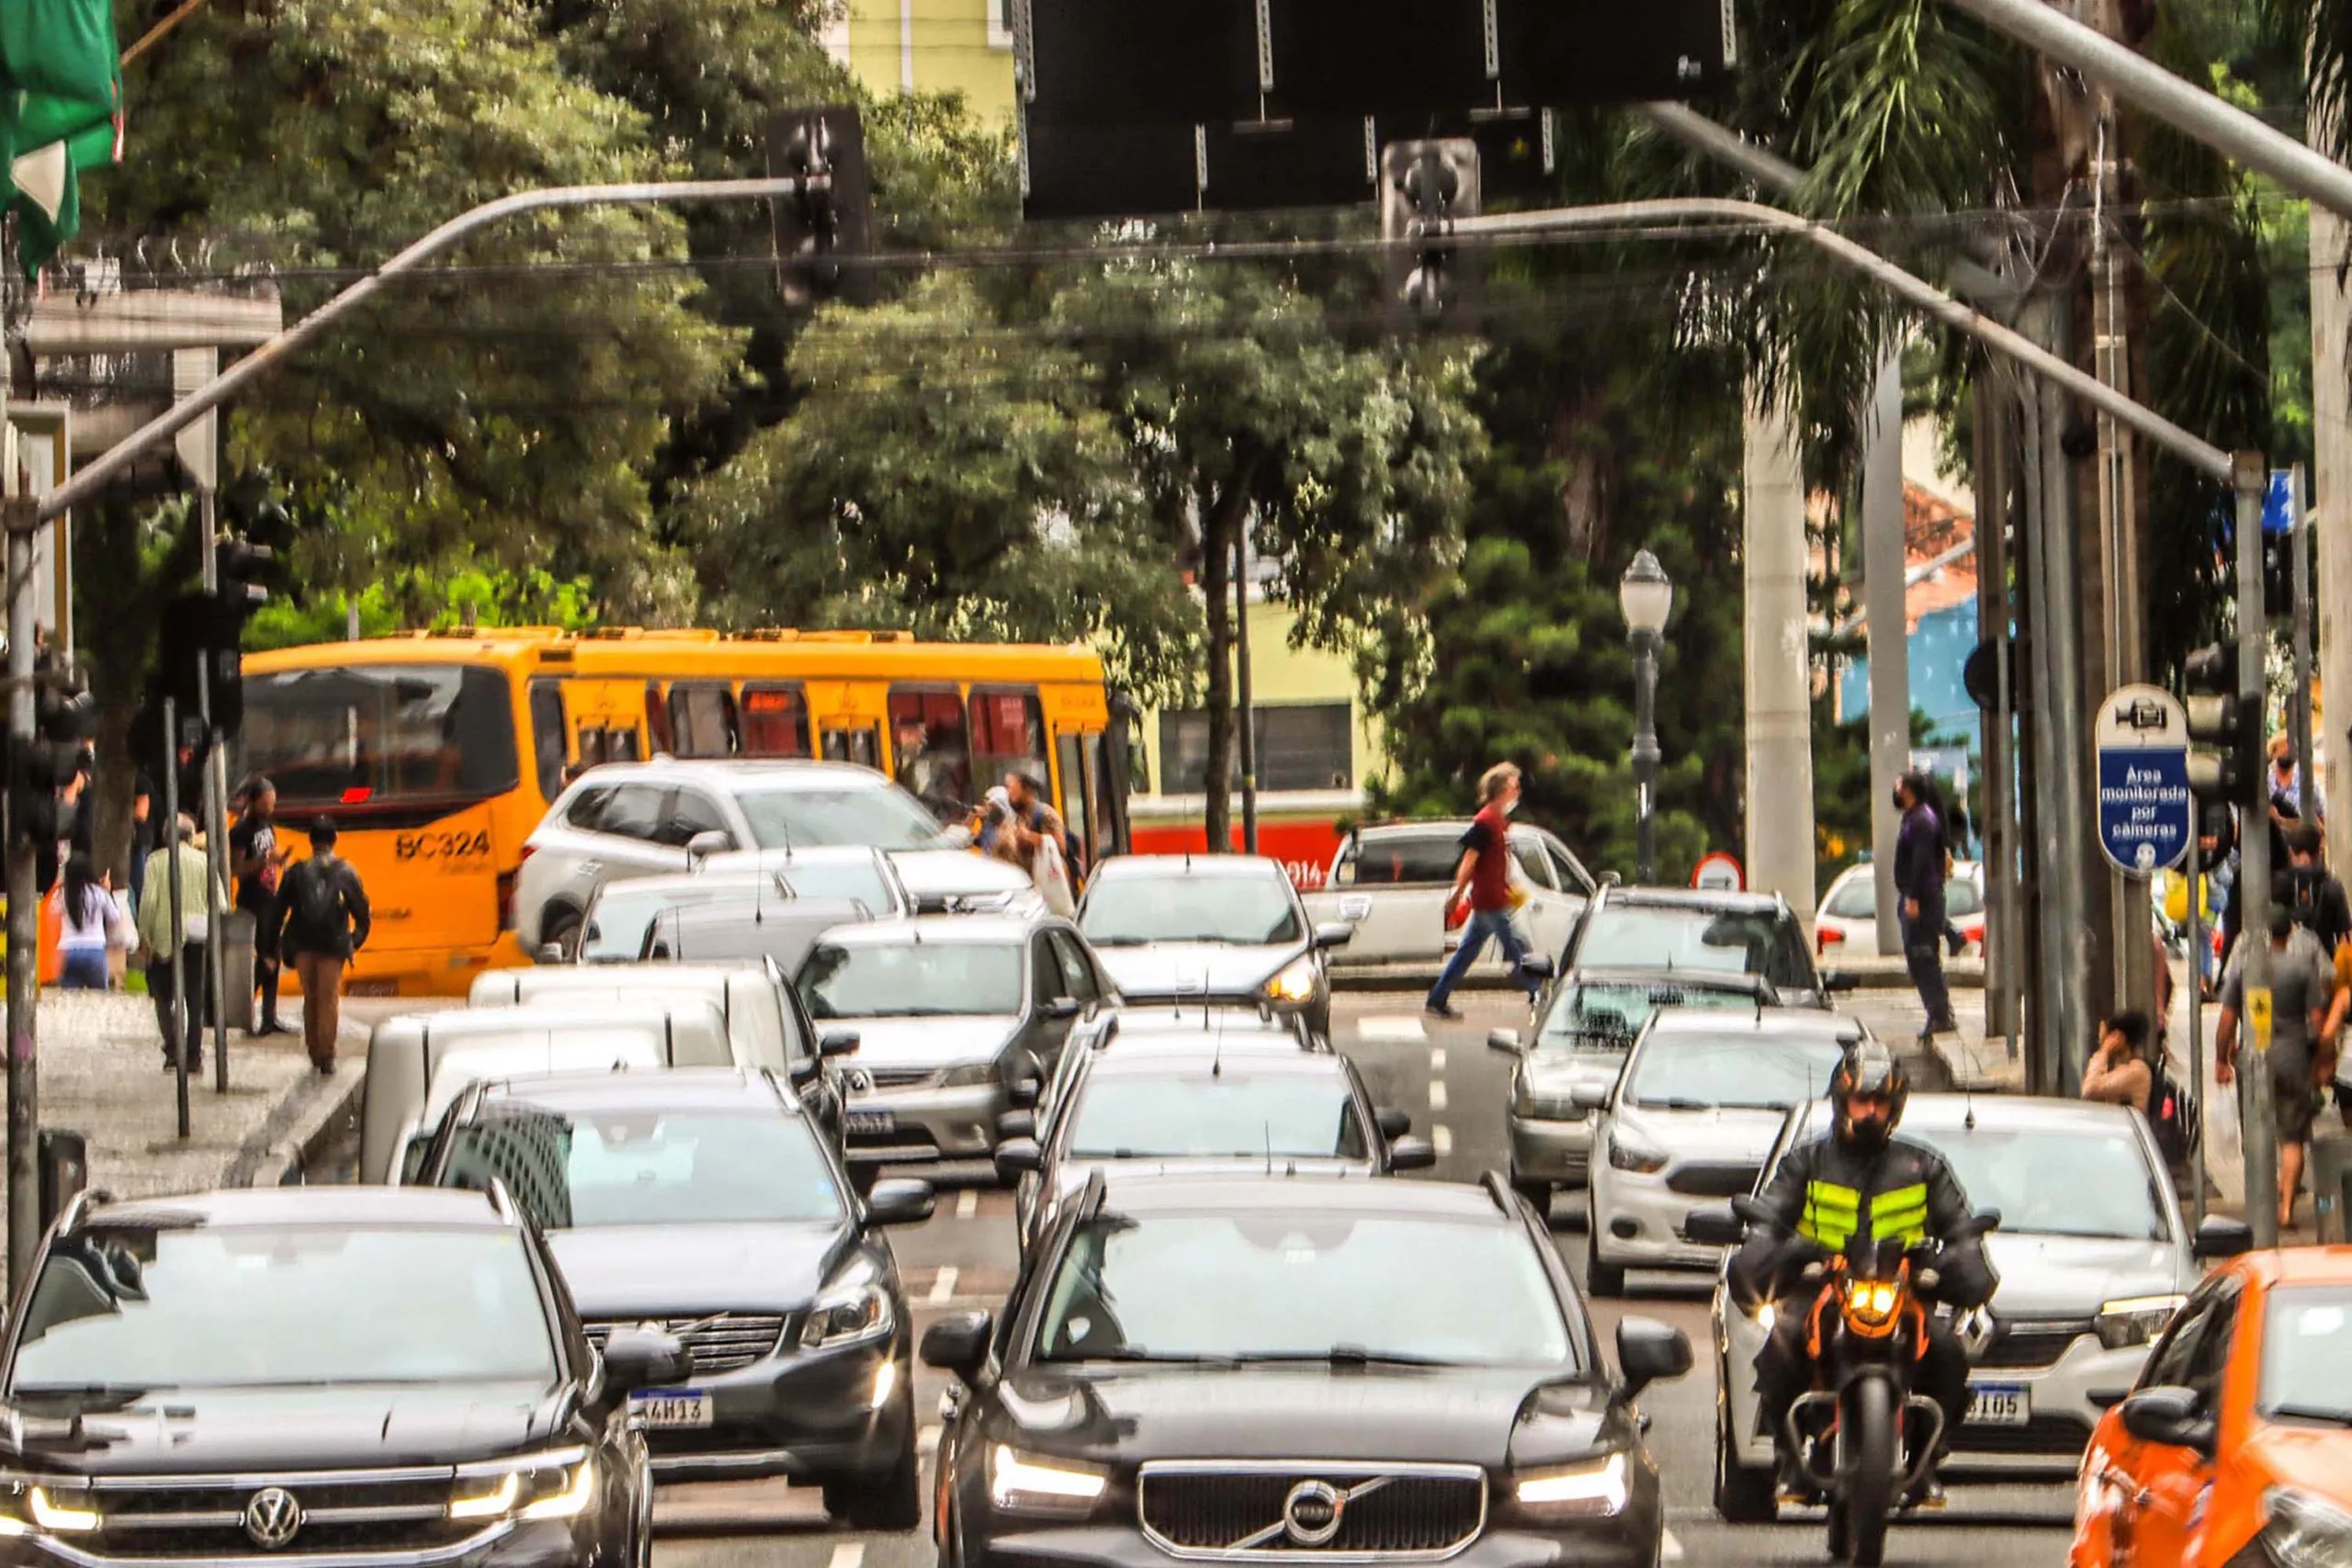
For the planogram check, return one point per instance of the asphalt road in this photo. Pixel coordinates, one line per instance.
(1453, 1087)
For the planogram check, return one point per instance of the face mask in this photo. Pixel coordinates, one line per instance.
(1511, 808)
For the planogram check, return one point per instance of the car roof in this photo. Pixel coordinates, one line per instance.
(1698, 899)
(650, 1012)
(653, 976)
(773, 773)
(981, 931)
(2291, 1266)
(1688, 979)
(720, 880)
(673, 1089)
(1142, 1194)
(2022, 1113)
(1167, 1060)
(354, 1205)
(1772, 1022)
(1449, 828)
(1120, 867)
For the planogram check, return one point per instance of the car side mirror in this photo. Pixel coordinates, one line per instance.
(1023, 1094)
(1838, 980)
(2169, 1418)
(708, 843)
(1333, 934)
(644, 1357)
(1018, 1157)
(1504, 1040)
(548, 953)
(1392, 1123)
(958, 1343)
(1016, 1124)
(1538, 967)
(837, 1041)
(1714, 1225)
(1589, 1096)
(901, 1201)
(1059, 1007)
(1649, 1351)
(2220, 1238)
(1412, 1153)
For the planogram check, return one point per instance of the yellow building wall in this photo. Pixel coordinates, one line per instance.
(930, 46)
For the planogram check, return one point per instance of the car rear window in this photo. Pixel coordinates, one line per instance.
(1401, 860)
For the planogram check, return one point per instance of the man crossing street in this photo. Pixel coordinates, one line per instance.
(1483, 879)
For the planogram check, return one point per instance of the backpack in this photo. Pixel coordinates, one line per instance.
(318, 900)
(2172, 1115)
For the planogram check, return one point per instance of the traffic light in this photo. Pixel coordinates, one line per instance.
(207, 631)
(831, 217)
(2226, 762)
(40, 768)
(1424, 188)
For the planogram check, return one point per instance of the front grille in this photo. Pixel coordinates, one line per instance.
(900, 1077)
(2058, 1436)
(1712, 1179)
(2032, 1343)
(1244, 1511)
(194, 1518)
(724, 1344)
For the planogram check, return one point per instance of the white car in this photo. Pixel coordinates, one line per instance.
(2092, 1256)
(1846, 925)
(623, 911)
(1693, 1117)
(1390, 882)
(626, 819)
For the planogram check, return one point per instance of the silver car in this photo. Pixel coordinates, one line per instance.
(951, 1012)
(1390, 882)
(2093, 1254)
(1693, 1117)
(622, 914)
(1213, 928)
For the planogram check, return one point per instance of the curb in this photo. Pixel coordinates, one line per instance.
(319, 1111)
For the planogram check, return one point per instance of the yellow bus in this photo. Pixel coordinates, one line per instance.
(437, 753)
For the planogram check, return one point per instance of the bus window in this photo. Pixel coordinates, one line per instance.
(357, 734)
(862, 746)
(1008, 732)
(702, 718)
(657, 721)
(930, 756)
(547, 747)
(775, 721)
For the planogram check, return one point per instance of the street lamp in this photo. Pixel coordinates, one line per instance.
(1646, 594)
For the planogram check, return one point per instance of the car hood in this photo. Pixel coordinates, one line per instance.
(663, 1271)
(350, 1425)
(1070, 1175)
(2053, 1276)
(1557, 1072)
(1490, 1417)
(2317, 1459)
(1192, 968)
(1714, 1134)
(924, 1042)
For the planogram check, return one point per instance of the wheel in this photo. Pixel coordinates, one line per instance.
(1743, 1496)
(890, 1500)
(1603, 1280)
(559, 927)
(1841, 1538)
(1873, 1458)
(1536, 1192)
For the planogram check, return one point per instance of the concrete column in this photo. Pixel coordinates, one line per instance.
(1779, 715)
(1889, 627)
(2331, 521)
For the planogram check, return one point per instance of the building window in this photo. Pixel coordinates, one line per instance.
(1000, 23)
(1301, 746)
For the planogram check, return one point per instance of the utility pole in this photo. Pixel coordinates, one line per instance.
(1779, 713)
(2298, 697)
(23, 895)
(2261, 1128)
(2332, 485)
(1884, 566)
(1245, 705)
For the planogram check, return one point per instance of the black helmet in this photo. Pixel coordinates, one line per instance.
(1868, 1068)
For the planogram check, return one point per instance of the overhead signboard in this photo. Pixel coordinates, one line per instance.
(2145, 810)
(1105, 172)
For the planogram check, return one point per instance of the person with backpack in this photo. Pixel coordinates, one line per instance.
(321, 919)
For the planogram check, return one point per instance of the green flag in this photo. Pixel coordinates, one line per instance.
(60, 112)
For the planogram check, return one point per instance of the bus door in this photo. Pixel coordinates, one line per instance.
(604, 716)
(930, 754)
(848, 716)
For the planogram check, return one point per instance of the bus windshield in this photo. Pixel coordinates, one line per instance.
(361, 734)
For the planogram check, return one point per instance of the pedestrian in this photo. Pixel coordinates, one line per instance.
(2302, 980)
(2119, 1072)
(1033, 849)
(258, 862)
(1483, 879)
(155, 942)
(91, 927)
(323, 920)
(2315, 896)
(143, 835)
(1031, 816)
(2287, 789)
(1919, 885)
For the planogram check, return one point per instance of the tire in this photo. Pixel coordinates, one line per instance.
(1870, 1480)
(1743, 1496)
(1605, 1281)
(560, 924)
(1536, 1192)
(1841, 1536)
(890, 1500)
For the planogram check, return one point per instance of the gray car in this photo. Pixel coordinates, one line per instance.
(1212, 928)
(951, 1012)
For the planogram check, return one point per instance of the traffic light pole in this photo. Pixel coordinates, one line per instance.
(24, 915)
(2257, 1104)
(216, 816)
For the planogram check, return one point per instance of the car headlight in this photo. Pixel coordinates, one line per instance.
(2302, 1531)
(555, 1485)
(1530, 1106)
(1594, 1487)
(1027, 1484)
(852, 1308)
(2135, 1320)
(970, 1075)
(1632, 1154)
(1294, 982)
(66, 1513)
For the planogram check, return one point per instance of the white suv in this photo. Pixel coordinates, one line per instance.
(628, 819)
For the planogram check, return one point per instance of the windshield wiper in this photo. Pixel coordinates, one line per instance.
(2311, 1413)
(1143, 1353)
(1345, 1356)
(1675, 1102)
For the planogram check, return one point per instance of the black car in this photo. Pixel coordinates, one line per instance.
(1251, 1369)
(702, 1199)
(328, 1374)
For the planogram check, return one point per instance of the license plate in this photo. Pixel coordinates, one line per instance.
(1999, 1404)
(870, 1121)
(671, 1407)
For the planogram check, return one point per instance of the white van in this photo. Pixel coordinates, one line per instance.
(419, 1063)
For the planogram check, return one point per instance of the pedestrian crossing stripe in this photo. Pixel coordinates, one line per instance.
(1402, 1027)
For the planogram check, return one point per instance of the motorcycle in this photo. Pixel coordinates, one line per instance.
(1861, 1439)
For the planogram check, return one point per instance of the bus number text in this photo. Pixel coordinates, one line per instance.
(442, 846)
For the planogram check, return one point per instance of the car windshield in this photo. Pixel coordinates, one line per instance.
(1243, 911)
(2081, 1181)
(170, 1307)
(1857, 899)
(858, 882)
(920, 979)
(1692, 936)
(580, 1169)
(1680, 1071)
(1274, 1285)
(1606, 1017)
(624, 911)
(879, 815)
(1234, 1114)
(2307, 1353)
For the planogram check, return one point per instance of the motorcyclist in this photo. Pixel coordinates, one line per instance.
(1861, 1179)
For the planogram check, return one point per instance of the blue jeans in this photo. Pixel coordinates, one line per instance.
(85, 970)
(1483, 924)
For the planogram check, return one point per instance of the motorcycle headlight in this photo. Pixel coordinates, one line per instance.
(853, 1307)
(554, 1486)
(970, 1075)
(1595, 1487)
(1029, 1484)
(2135, 1320)
(1293, 983)
(1872, 1302)
(2302, 1531)
(1632, 1154)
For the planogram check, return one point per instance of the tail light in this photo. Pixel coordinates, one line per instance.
(506, 900)
(1829, 937)
(529, 848)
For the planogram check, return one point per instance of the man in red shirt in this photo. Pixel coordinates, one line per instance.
(1484, 878)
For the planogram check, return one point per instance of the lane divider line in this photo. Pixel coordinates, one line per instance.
(1670, 1550)
(1437, 1058)
(968, 1203)
(1391, 1028)
(847, 1554)
(1441, 1139)
(1437, 1094)
(943, 1289)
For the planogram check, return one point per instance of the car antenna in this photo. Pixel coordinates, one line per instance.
(1217, 1054)
(1268, 1126)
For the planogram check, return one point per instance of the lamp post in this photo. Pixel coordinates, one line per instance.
(1646, 596)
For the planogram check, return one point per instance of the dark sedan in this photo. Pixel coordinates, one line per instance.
(703, 1200)
(1257, 1369)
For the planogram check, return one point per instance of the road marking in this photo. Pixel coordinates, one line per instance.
(847, 1554)
(1670, 1549)
(1441, 1139)
(968, 1203)
(943, 1289)
(927, 1440)
(1402, 1027)
(1437, 1094)
(1437, 1058)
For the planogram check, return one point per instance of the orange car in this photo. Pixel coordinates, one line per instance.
(2236, 1445)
